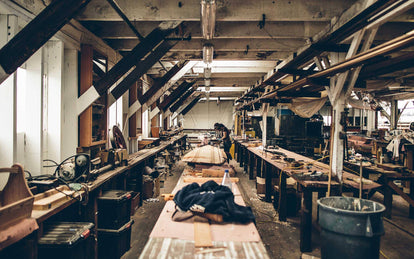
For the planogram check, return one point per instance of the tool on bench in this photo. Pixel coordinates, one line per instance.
(74, 168)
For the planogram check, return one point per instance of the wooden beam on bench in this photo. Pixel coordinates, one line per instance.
(22, 46)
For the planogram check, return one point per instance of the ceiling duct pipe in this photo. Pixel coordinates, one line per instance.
(208, 18)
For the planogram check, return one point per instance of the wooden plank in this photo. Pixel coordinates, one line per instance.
(205, 155)
(202, 232)
(53, 200)
(215, 172)
(189, 179)
(22, 46)
(401, 193)
(13, 233)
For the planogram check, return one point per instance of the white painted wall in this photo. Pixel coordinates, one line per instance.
(204, 114)
(69, 130)
(31, 116)
(52, 128)
(8, 27)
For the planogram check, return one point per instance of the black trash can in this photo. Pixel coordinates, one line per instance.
(351, 227)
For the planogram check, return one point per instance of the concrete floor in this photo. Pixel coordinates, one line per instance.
(280, 238)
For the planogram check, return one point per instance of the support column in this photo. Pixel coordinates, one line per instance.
(337, 142)
(264, 123)
(394, 114)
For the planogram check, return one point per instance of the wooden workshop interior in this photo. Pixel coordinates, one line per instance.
(206, 129)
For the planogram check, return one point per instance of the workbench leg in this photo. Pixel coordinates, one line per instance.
(387, 201)
(306, 222)
(236, 152)
(239, 153)
(268, 183)
(241, 156)
(251, 165)
(245, 159)
(411, 212)
(259, 167)
(282, 210)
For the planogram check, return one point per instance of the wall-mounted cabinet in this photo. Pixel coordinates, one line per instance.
(93, 121)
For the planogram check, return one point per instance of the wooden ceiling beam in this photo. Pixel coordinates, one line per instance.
(35, 34)
(168, 100)
(141, 68)
(182, 99)
(139, 51)
(159, 83)
(190, 106)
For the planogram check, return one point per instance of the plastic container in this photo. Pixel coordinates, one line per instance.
(66, 240)
(351, 227)
(114, 243)
(114, 209)
(226, 179)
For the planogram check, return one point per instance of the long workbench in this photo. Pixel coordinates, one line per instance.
(174, 239)
(269, 166)
(386, 177)
(88, 213)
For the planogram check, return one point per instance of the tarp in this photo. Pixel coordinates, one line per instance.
(306, 107)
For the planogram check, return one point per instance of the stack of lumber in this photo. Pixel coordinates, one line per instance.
(206, 155)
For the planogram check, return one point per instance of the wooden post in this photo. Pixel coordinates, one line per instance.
(132, 121)
(268, 182)
(337, 143)
(264, 120)
(411, 209)
(282, 197)
(394, 114)
(306, 222)
(251, 165)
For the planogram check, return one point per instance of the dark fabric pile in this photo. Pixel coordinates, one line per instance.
(212, 198)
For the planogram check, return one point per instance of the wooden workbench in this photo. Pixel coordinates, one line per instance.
(88, 213)
(176, 239)
(386, 178)
(268, 167)
(137, 158)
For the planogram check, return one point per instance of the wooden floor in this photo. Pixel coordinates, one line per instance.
(281, 239)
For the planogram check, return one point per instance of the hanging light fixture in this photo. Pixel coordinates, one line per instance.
(208, 18)
(208, 52)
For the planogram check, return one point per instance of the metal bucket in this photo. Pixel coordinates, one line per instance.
(351, 227)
